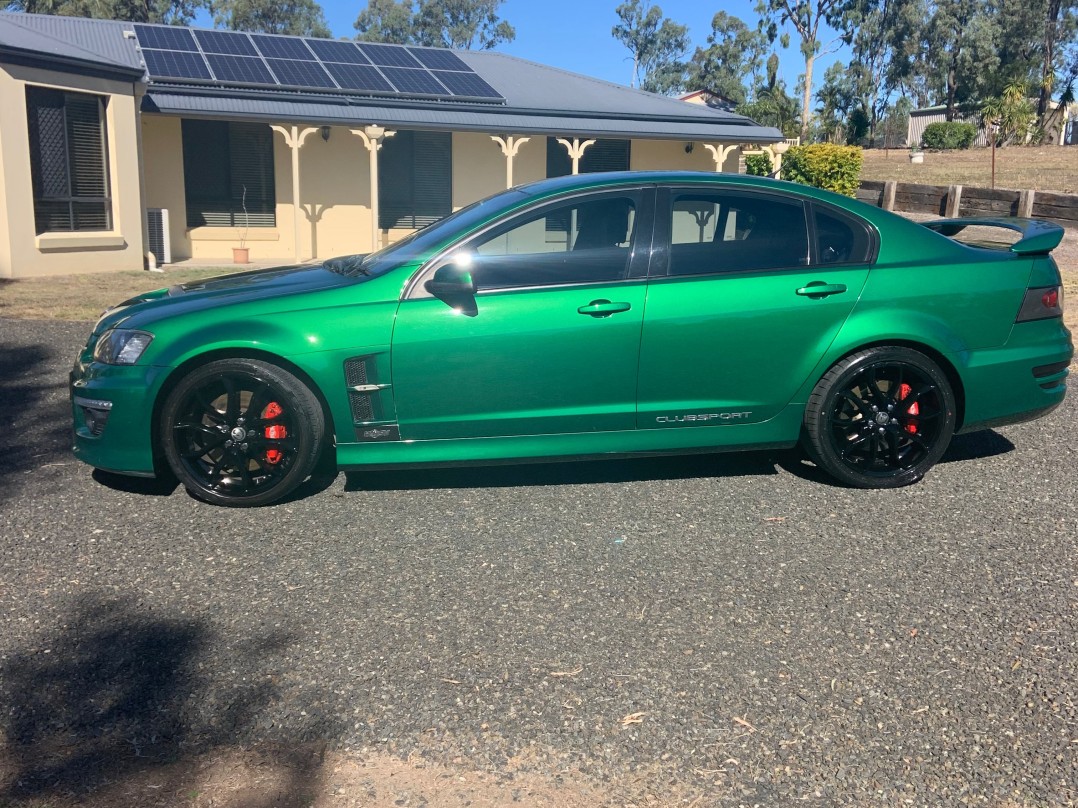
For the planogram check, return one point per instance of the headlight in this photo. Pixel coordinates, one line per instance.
(120, 346)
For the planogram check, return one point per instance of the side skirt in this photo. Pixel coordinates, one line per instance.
(780, 432)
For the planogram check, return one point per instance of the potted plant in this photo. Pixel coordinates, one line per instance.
(242, 254)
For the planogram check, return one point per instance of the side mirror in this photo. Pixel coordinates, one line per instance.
(453, 285)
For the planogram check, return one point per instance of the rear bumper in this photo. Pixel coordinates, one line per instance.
(1024, 379)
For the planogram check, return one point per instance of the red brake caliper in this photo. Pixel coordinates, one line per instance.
(914, 408)
(274, 432)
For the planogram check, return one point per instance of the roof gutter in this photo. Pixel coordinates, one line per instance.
(31, 58)
(488, 109)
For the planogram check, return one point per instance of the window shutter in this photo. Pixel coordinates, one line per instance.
(220, 161)
(68, 164)
(433, 177)
(251, 147)
(415, 179)
(602, 155)
(605, 155)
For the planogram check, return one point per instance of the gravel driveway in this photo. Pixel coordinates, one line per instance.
(731, 629)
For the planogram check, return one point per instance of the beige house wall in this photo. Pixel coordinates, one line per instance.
(162, 146)
(22, 252)
(335, 214)
(670, 154)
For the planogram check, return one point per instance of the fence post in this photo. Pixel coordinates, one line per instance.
(1025, 203)
(889, 195)
(954, 201)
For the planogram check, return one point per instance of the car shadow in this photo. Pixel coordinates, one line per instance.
(592, 472)
(974, 446)
(113, 692)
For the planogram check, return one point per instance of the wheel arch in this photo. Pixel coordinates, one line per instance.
(937, 356)
(181, 370)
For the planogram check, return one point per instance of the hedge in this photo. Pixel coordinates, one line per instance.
(949, 135)
(759, 165)
(824, 165)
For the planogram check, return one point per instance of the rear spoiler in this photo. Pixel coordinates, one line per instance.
(1038, 236)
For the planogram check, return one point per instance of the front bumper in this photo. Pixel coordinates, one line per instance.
(112, 412)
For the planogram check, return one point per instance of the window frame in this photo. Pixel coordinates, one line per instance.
(663, 244)
(70, 200)
(854, 221)
(640, 254)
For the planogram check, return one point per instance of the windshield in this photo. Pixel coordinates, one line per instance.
(421, 242)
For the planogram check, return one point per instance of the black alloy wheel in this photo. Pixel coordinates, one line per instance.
(880, 418)
(241, 432)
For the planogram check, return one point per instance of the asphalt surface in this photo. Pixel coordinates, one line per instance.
(777, 637)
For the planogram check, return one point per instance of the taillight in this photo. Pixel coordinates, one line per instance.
(1041, 303)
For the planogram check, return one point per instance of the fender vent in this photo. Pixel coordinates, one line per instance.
(355, 375)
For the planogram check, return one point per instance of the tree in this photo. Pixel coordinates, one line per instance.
(657, 44)
(1011, 114)
(295, 17)
(966, 37)
(463, 24)
(169, 12)
(771, 106)
(807, 18)
(386, 21)
(734, 52)
(838, 97)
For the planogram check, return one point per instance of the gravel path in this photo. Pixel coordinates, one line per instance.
(730, 629)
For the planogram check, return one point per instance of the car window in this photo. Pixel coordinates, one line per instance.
(840, 239)
(583, 241)
(726, 231)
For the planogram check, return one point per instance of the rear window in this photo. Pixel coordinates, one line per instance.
(840, 239)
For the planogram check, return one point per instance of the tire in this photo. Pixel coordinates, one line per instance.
(880, 418)
(241, 433)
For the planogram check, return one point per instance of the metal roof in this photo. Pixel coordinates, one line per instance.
(539, 99)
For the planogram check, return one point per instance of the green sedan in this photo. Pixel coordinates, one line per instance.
(584, 317)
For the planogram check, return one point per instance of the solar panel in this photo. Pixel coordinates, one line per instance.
(329, 50)
(176, 64)
(165, 37)
(466, 84)
(240, 69)
(225, 42)
(409, 80)
(231, 57)
(282, 47)
(358, 77)
(388, 55)
(300, 74)
(439, 59)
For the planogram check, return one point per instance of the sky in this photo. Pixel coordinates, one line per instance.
(575, 34)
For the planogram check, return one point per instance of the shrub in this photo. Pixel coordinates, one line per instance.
(824, 165)
(949, 135)
(759, 165)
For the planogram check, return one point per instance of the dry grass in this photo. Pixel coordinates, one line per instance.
(1047, 168)
(84, 297)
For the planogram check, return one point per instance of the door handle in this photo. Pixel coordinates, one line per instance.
(603, 308)
(821, 289)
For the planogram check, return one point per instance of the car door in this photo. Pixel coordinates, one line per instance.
(548, 344)
(752, 289)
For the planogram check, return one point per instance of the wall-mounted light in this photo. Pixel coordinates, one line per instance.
(325, 133)
(689, 147)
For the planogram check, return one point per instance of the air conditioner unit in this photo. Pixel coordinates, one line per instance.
(157, 229)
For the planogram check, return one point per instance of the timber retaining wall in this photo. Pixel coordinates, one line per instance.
(956, 200)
